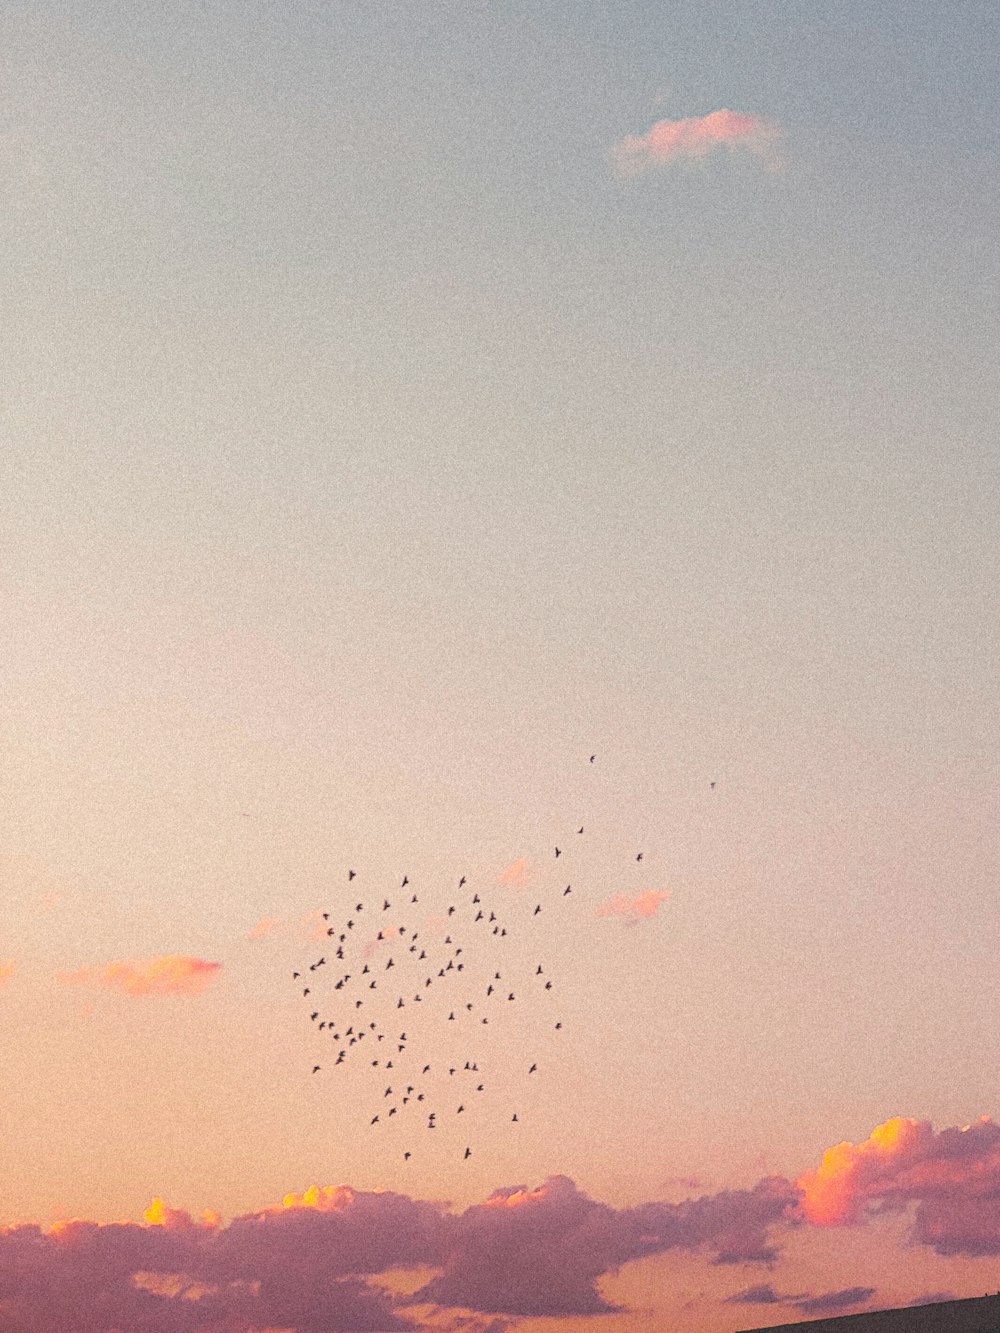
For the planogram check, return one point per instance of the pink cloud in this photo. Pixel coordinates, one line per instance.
(634, 909)
(171, 974)
(694, 137)
(7, 970)
(267, 925)
(517, 874)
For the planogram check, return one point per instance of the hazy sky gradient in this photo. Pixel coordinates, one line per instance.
(374, 450)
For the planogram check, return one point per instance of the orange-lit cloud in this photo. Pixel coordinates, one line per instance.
(953, 1176)
(634, 909)
(517, 874)
(171, 974)
(158, 1214)
(694, 137)
(267, 925)
(7, 970)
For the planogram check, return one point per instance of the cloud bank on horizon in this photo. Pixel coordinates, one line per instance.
(691, 138)
(521, 1252)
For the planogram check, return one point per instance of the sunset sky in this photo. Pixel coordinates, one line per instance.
(403, 401)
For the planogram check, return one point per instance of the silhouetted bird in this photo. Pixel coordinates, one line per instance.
(538, 970)
(548, 985)
(711, 784)
(406, 1156)
(306, 991)
(295, 975)
(386, 904)
(460, 1110)
(404, 883)
(513, 1119)
(315, 1069)
(468, 1154)
(350, 875)
(558, 1026)
(413, 900)
(537, 910)
(532, 1069)
(567, 889)
(375, 1120)
(558, 852)
(314, 1016)
(461, 881)
(451, 911)
(580, 829)
(358, 907)
(639, 857)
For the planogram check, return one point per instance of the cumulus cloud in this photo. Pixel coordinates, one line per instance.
(953, 1176)
(306, 1263)
(693, 137)
(7, 970)
(634, 909)
(170, 974)
(541, 1251)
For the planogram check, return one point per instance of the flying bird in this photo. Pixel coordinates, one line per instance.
(350, 875)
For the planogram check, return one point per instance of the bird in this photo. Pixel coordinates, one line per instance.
(711, 784)
(375, 1120)
(295, 975)
(593, 757)
(358, 907)
(468, 1154)
(514, 1119)
(558, 1026)
(538, 970)
(558, 852)
(460, 1110)
(567, 889)
(461, 881)
(548, 985)
(532, 1069)
(386, 905)
(406, 1156)
(404, 883)
(537, 910)
(315, 1069)
(580, 829)
(639, 857)
(451, 911)
(475, 898)
(350, 875)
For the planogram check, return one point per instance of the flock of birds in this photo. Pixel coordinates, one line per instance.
(393, 979)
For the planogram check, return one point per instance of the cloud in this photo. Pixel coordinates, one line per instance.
(7, 970)
(517, 874)
(170, 974)
(634, 909)
(306, 1263)
(835, 1300)
(541, 1251)
(267, 925)
(694, 137)
(953, 1176)
(761, 1294)
(765, 1294)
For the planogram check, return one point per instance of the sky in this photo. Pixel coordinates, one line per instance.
(401, 403)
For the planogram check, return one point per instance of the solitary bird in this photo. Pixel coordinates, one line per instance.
(639, 857)
(350, 875)
(386, 904)
(315, 1069)
(558, 852)
(461, 881)
(567, 889)
(468, 1154)
(514, 1119)
(406, 1156)
(404, 883)
(537, 910)
(532, 1069)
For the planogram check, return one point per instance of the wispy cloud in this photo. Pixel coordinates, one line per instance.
(518, 873)
(693, 137)
(7, 970)
(634, 909)
(267, 925)
(170, 974)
